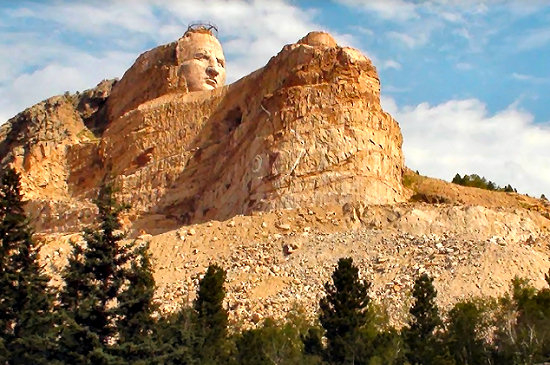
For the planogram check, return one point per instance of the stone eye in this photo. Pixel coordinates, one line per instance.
(201, 56)
(221, 62)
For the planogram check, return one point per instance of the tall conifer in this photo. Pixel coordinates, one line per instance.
(94, 278)
(211, 315)
(26, 321)
(135, 309)
(422, 344)
(343, 312)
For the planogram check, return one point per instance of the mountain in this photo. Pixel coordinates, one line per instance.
(275, 176)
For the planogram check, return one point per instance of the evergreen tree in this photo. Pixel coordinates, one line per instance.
(458, 180)
(422, 344)
(135, 309)
(466, 333)
(477, 181)
(343, 312)
(176, 339)
(26, 321)
(211, 316)
(509, 189)
(94, 279)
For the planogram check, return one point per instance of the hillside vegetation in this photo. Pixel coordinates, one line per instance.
(431, 190)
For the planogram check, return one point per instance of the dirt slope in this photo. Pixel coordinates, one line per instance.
(279, 259)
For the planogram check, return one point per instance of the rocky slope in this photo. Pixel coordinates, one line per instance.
(279, 260)
(46, 144)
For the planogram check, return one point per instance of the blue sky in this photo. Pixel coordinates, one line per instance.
(467, 80)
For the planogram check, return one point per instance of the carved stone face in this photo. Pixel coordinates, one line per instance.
(202, 61)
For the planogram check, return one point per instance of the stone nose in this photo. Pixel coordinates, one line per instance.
(211, 71)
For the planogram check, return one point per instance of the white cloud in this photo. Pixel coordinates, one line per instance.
(535, 39)
(463, 32)
(252, 31)
(363, 30)
(452, 17)
(391, 64)
(464, 66)
(76, 71)
(460, 136)
(529, 78)
(96, 18)
(526, 7)
(397, 10)
(409, 40)
(414, 23)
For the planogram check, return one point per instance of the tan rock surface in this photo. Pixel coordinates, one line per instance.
(307, 129)
(40, 143)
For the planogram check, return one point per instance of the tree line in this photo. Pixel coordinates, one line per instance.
(477, 181)
(104, 312)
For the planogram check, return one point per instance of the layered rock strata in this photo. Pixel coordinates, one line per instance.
(306, 129)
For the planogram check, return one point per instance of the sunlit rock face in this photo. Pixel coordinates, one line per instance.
(307, 129)
(195, 62)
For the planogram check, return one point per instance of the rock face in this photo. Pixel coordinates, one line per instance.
(175, 67)
(36, 140)
(40, 143)
(305, 130)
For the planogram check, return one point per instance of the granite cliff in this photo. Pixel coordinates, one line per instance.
(275, 176)
(306, 129)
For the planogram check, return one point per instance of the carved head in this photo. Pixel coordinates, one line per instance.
(202, 61)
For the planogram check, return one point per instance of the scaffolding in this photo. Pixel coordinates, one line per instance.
(203, 27)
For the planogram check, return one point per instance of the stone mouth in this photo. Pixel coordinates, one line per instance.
(212, 82)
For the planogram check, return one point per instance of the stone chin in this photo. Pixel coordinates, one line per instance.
(199, 78)
(207, 84)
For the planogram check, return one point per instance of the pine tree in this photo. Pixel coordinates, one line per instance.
(422, 344)
(211, 316)
(27, 322)
(458, 179)
(343, 312)
(135, 309)
(94, 279)
(176, 338)
(467, 333)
